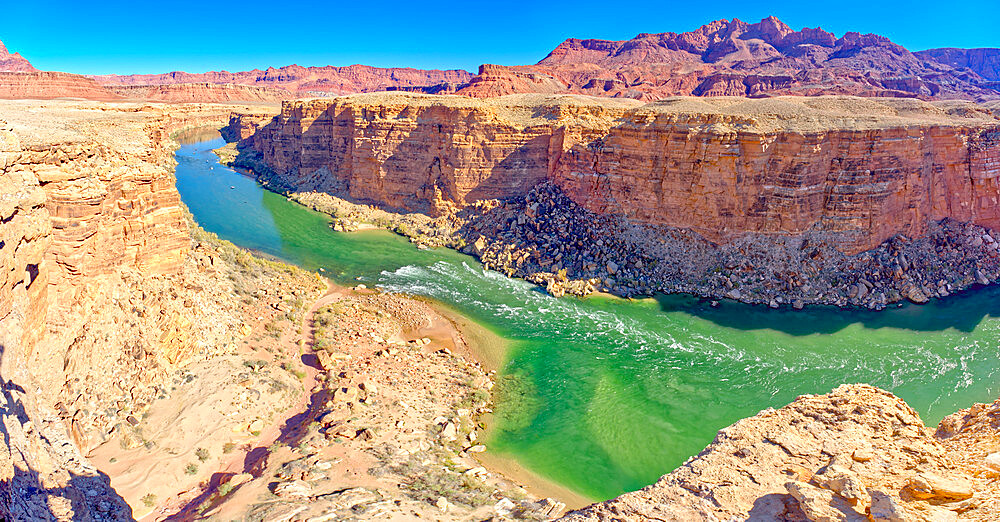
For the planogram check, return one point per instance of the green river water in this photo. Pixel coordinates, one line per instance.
(604, 395)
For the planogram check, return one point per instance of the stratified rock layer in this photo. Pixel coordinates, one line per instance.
(305, 80)
(95, 308)
(44, 85)
(985, 62)
(857, 170)
(722, 58)
(200, 92)
(855, 453)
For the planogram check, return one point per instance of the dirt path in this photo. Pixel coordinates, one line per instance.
(251, 457)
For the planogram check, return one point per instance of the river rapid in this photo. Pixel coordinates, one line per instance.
(603, 395)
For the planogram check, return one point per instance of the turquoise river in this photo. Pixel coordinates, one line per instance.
(604, 395)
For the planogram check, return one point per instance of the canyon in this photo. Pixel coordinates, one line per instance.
(149, 368)
(803, 179)
(140, 354)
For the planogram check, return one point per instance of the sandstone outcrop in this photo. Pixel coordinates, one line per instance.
(45, 85)
(762, 201)
(857, 453)
(99, 298)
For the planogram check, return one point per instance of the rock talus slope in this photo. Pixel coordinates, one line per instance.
(857, 453)
(858, 170)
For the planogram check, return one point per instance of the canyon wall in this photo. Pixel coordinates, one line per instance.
(96, 301)
(858, 170)
(44, 85)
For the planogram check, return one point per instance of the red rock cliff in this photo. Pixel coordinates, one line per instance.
(861, 169)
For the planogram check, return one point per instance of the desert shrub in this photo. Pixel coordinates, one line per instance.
(202, 454)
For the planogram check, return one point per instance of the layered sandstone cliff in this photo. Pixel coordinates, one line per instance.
(44, 85)
(858, 453)
(858, 170)
(97, 300)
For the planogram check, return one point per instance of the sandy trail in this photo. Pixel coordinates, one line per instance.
(251, 457)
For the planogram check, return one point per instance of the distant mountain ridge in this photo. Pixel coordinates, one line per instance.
(735, 58)
(985, 61)
(722, 58)
(13, 62)
(303, 80)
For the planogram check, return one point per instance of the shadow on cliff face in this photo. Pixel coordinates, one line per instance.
(408, 180)
(24, 494)
(962, 311)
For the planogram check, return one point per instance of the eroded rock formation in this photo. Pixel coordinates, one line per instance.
(763, 201)
(99, 295)
(860, 170)
(984, 62)
(44, 85)
(735, 58)
(722, 58)
(857, 453)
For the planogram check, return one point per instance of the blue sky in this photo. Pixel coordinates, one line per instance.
(197, 36)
